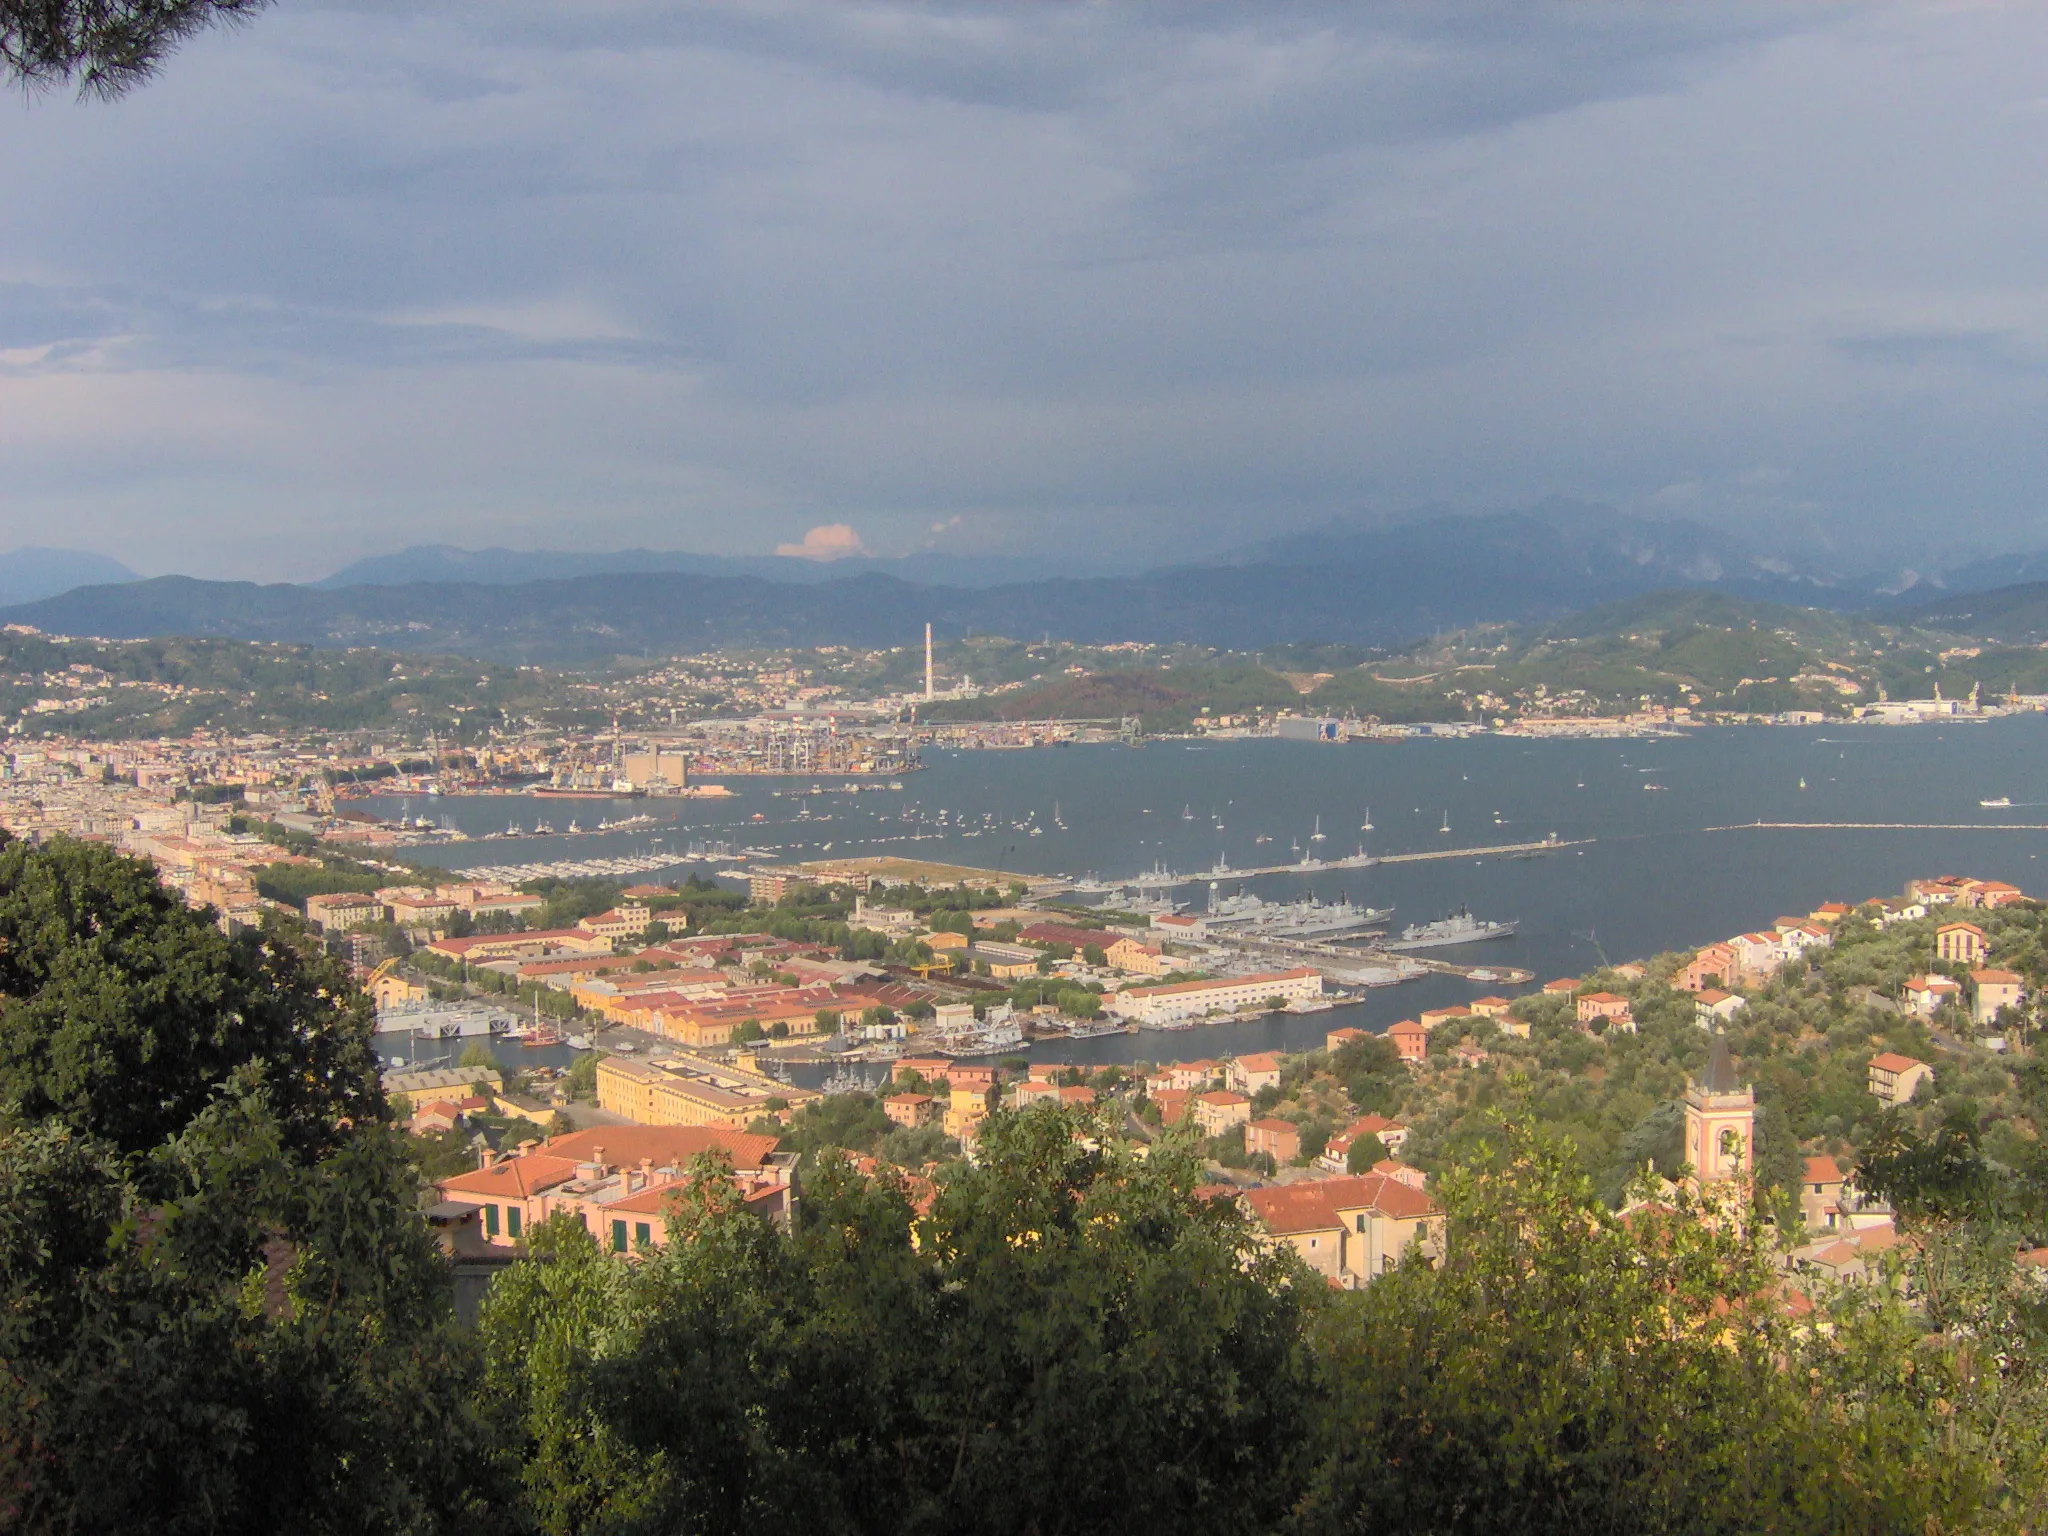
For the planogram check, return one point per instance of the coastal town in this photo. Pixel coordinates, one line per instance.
(1776, 1055)
(934, 1002)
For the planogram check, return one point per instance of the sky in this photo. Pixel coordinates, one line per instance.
(1121, 282)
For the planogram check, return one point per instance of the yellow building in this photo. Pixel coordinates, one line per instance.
(689, 1090)
(968, 1105)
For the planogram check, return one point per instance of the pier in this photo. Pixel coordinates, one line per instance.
(1407, 966)
(1166, 878)
(1884, 826)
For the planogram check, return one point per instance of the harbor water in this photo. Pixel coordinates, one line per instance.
(1669, 857)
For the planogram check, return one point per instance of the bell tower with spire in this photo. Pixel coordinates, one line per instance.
(1720, 1123)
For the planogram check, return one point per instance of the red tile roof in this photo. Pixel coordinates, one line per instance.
(1315, 1206)
(664, 1145)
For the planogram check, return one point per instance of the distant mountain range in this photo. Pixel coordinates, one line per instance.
(1376, 582)
(31, 572)
(515, 567)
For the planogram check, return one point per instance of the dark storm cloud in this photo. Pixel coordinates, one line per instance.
(1130, 278)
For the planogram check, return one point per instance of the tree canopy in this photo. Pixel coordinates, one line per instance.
(105, 48)
(123, 1012)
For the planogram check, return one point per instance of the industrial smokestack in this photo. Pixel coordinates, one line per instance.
(927, 661)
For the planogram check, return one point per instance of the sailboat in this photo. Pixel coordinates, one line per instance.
(1366, 825)
(1447, 823)
(1802, 781)
(1056, 816)
(1187, 813)
(1318, 835)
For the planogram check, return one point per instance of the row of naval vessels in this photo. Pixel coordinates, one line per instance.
(1244, 915)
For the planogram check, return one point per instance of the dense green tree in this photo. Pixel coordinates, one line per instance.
(1364, 1154)
(1072, 1343)
(219, 1309)
(123, 1012)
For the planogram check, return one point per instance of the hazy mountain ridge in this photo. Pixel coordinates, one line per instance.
(34, 572)
(1381, 584)
(498, 566)
(2015, 615)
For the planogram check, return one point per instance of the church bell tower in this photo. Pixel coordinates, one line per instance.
(1720, 1123)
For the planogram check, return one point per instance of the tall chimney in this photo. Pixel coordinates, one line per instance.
(927, 661)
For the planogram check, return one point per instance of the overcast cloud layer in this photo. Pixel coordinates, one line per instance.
(1115, 279)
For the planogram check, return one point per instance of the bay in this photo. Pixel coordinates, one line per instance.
(1656, 872)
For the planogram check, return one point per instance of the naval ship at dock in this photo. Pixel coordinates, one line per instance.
(1461, 927)
(1244, 915)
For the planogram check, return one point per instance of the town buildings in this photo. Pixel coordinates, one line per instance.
(617, 1181)
(1895, 1078)
(1349, 1230)
(1230, 994)
(688, 1089)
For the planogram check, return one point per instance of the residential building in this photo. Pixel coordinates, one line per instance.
(1432, 1017)
(1349, 1230)
(1896, 1078)
(1172, 1102)
(1927, 995)
(1248, 1074)
(591, 1173)
(1278, 1139)
(1393, 1135)
(911, 1109)
(1491, 1007)
(1219, 1109)
(1990, 894)
(1175, 1001)
(1337, 1039)
(1820, 1194)
(770, 887)
(1716, 966)
(343, 910)
(1563, 986)
(1036, 1090)
(1601, 1005)
(1757, 957)
(1711, 1006)
(1410, 1040)
(626, 922)
(968, 1104)
(1995, 990)
(1960, 944)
